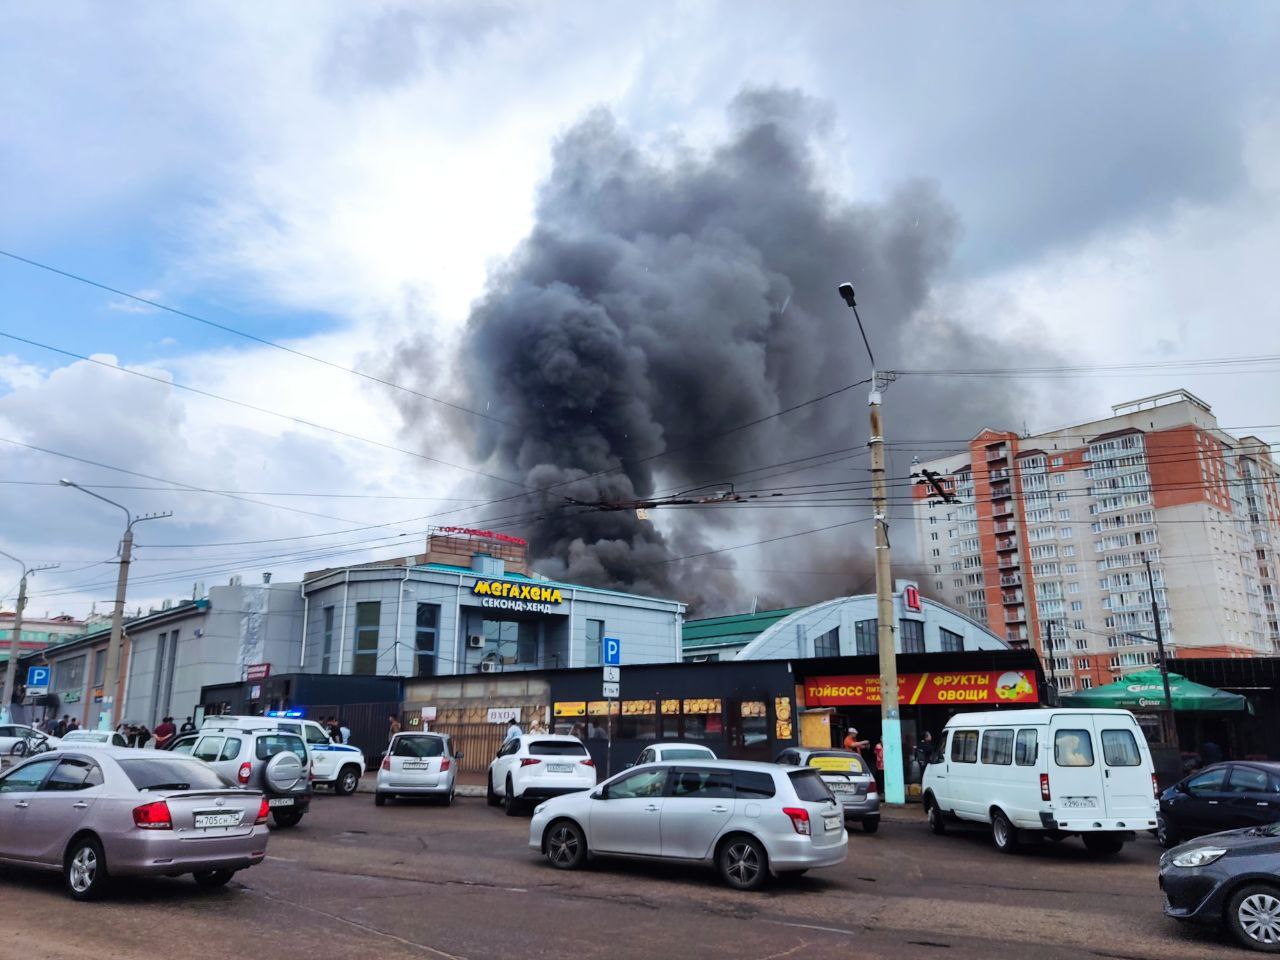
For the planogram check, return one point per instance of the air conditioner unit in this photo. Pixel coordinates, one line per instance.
(475, 641)
(489, 666)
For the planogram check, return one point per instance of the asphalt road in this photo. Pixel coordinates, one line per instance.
(424, 881)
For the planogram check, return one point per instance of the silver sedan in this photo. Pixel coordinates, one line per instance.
(113, 811)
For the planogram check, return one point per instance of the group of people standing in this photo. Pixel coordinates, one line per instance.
(920, 755)
(57, 726)
(338, 731)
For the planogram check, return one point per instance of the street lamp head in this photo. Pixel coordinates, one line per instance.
(846, 291)
(67, 483)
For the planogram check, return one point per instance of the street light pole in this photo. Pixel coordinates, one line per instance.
(109, 715)
(890, 719)
(1053, 673)
(1171, 731)
(11, 671)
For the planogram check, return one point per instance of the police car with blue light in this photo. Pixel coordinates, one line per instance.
(336, 765)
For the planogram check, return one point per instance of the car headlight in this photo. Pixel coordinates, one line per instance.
(539, 808)
(1199, 857)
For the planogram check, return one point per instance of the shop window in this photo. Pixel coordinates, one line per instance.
(670, 721)
(703, 718)
(364, 660)
(425, 631)
(952, 642)
(754, 718)
(864, 633)
(511, 641)
(827, 645)
(69, 674)
(912, 636)
(595, 641)
(638, 721)
(326, 654)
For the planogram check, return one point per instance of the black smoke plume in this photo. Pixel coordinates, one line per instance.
(661, 300)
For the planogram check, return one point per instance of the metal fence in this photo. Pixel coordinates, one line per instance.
(478, 743)
(369, 724)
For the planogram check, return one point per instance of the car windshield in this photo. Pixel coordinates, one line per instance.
(685, 753)
(172, 773)
(557, 748)
(418, 747)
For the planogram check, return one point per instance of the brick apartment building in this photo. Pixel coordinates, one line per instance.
(1051, 532)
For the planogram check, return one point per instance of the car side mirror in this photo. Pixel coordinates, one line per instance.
(458, 755)
(628, 766)
(597, 795)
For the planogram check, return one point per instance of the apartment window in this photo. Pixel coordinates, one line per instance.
(932, 521)
(595, 642)
(326, 650)
(1064, 533)
(1059, 479)
(425, 631)
(1056, 462)
(1077, 606)
(1070, 568)
(1069, 550)
(1064, 514)
(912, 636)
(951, 641)
(864, 634)
(1062, 496)
(1086, 683)
(1073, 587)
(934, 535)
(936, 552)
(1082, 664)
(365, 657)
(827, 645)
(68, 675)
(1078, 625)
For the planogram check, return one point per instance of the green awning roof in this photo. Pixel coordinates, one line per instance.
(740, 628)
(1144, 690)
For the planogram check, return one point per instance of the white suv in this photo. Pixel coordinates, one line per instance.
(336, 765)
(537, 766)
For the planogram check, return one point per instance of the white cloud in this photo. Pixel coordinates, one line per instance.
(126, 305)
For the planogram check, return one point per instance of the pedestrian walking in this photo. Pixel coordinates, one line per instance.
(165, 732)
(345, 731)
(60, 728)
(852, 742)
(880, 765)
(393, 724)
(513, 731)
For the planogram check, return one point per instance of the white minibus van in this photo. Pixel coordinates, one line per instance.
(1052, 773)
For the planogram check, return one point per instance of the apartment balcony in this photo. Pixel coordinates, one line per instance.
(1015, 597)
(1001, 490)
(1000, 473)
(1008, 562)
(1011, 580)
(1017, 637)
(1002, 509)
(997, 453)
(1006, 526)
(1006, 543)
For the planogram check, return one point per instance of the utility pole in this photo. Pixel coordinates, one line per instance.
(1171, 730)
(15, 640)
(109, 715)
(890, 719)
(1053, 673)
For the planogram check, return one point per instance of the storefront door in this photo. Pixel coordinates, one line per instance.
(748, 729)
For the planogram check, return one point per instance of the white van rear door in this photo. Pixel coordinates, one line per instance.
(1075, 768)
(1126, 770)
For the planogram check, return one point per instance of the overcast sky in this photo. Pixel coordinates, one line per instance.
(339, 177)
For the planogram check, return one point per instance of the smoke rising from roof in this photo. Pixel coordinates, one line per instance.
(661, 301)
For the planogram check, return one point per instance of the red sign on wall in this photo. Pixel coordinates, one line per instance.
(911, 597)
(983, 686)
(257, 672)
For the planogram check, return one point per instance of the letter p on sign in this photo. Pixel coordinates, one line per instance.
(612, 652)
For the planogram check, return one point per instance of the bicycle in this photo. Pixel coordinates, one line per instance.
(31, 745)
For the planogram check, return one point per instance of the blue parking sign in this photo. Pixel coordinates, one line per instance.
(612, 652)
(37, 676)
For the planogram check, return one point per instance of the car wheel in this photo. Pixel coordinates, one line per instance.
(1253, 917)
(1102, 845)
(85, 870)
(213, 878)
(379, 798)
(871, 825)
(491, 796)
(1003, 833)
(510, 801)
(448, 798)
(348, 780)
(286, 818)
(937, 820)
(566, 846)
(19, 749)
(1166, 836)
(743, 863)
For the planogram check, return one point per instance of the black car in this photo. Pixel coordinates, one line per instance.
(1223, 796)
(1228, 878)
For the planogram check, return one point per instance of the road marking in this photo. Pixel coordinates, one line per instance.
(272, 856)
(811, 926)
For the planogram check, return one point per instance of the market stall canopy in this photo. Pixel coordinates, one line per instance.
(1144, 690)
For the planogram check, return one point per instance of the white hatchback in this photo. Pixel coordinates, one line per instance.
(537, 766)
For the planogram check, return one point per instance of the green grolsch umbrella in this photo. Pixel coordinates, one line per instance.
(1144, 690)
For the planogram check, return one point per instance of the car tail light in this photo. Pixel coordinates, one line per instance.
(529, 761)
(588, 762)
(386, 762)
(799, 819)
(444, 764)
(264, 808)
(1155, 787)
(153, 816)
(245, 770)
(1044, 787)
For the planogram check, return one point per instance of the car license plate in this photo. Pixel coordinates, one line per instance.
(416, 765)
(1076, 803)
(280, 802)
(559, 768)
(205, 820)
(832, 824)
